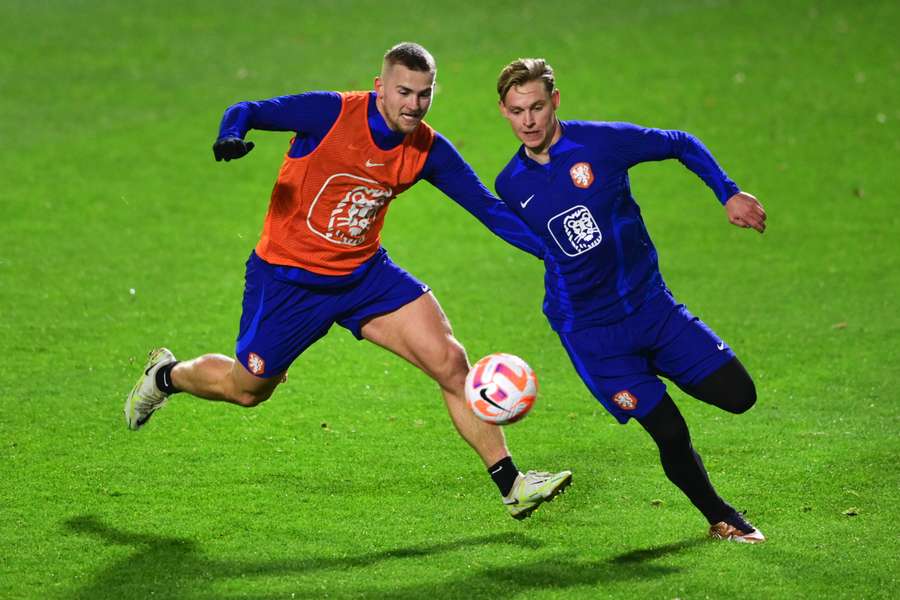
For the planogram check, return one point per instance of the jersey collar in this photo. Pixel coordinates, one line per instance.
(563, 146)
(382, 135)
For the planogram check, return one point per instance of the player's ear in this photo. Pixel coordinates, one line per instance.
(502, 108)
(554, 98)
(379, 86)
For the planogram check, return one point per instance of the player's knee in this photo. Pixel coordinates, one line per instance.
(744, 397)
(452, 368)
(249, 399)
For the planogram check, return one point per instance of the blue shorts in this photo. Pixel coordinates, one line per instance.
(286, 309)
(621, 363)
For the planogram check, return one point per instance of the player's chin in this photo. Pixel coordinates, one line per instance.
(531, 140)
(408, 124)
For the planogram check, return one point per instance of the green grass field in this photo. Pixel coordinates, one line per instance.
(351, 482)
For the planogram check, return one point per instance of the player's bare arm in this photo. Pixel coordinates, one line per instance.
(744, 210)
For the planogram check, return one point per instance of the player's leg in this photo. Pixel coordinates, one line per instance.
(684, 467)
(219, 377)
(680, 462)
(211, 376)
(420, 333)
(279, 321)
(689, 353)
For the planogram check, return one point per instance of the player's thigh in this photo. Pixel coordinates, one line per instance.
(685, 349)
(279, 320)
(396, 311)
(618, 375)
(420, 332)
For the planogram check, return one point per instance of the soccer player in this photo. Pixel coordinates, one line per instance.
(320, 261)
(605, 296)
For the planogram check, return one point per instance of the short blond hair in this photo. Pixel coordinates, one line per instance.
(523, 70)
(412, 56)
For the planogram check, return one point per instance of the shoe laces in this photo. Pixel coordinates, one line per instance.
(537, 475)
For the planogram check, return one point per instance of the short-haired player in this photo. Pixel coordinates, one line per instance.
(319, 260)
(605, 296)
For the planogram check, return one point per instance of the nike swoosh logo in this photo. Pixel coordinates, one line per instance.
(369, 163)
(484, 396)
(524, 204)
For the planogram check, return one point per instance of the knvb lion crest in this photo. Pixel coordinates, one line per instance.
(355, 202)
(582, 175)
(256, 364)
(625, 400)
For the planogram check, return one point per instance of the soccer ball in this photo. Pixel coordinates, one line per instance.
(501, 388)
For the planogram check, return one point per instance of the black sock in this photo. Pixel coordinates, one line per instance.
(504, 474)
(164, 379)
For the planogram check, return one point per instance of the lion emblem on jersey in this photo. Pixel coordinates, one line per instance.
(353, 216)
(575, 230)
(581, 228)
(582, 175)
(352, 204)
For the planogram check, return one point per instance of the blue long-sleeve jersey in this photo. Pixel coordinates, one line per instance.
(312, 115)
(600, 263)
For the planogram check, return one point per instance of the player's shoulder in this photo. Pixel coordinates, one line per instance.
(439, 146)
(585, 131)
(605, 139)
(318, 96)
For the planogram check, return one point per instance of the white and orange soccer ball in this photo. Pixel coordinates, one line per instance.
(501, 388)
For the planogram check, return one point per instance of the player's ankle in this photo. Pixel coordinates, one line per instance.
(504, 473)
(164, 379)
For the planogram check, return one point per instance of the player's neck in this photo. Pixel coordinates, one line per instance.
(541, 155)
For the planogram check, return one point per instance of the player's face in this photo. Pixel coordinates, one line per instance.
(403, 96)
(531, 111)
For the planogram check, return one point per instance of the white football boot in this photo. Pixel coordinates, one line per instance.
(736, 528)
(533, 489)
(145, 398)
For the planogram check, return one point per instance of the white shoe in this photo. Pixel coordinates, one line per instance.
(145, 398)
(533, 489)
(735, 528)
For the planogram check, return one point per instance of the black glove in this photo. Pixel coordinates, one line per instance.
(231, 147)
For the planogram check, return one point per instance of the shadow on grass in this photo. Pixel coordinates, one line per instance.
(170, 567)
(557, 572)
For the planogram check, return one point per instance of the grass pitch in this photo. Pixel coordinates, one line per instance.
(120, 232)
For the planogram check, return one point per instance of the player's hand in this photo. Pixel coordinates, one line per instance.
(228, 148)
(744, 210)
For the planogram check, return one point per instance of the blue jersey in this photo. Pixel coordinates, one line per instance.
(312, 115)
(599, 260)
